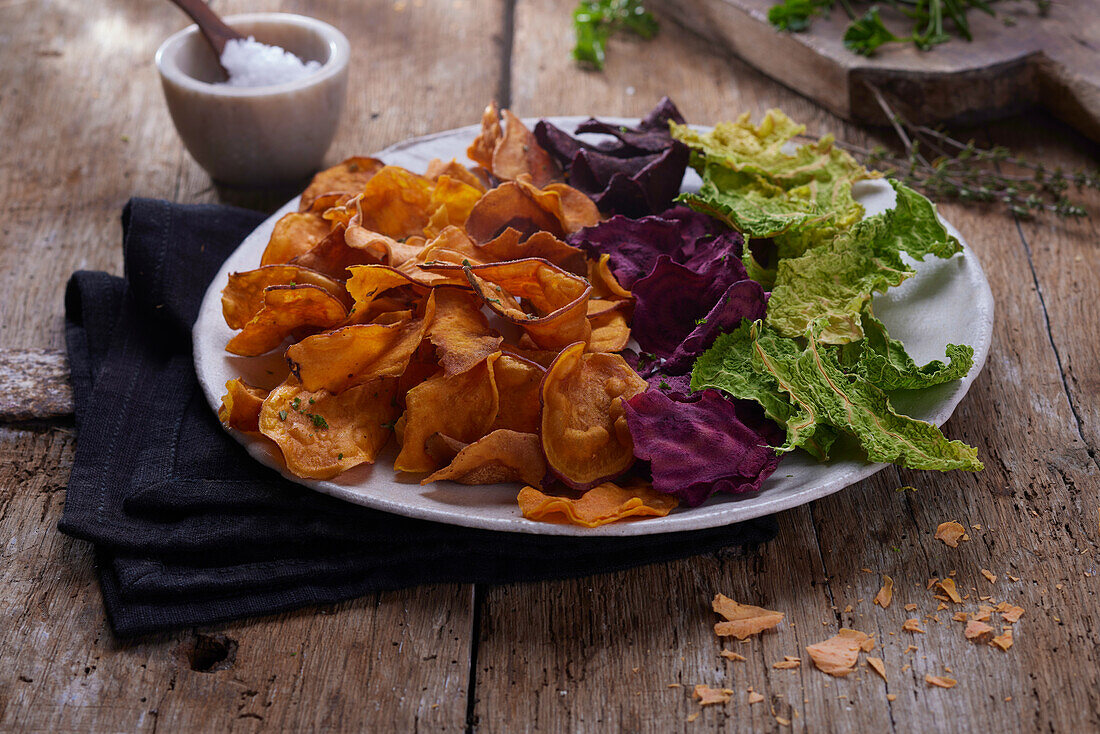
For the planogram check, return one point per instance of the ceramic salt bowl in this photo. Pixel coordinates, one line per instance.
(257, 137)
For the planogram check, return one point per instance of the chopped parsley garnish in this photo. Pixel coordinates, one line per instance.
(339, 457)
(700, 322)
(296, 403)
(663, 384)
(282, 415)
(318, 421)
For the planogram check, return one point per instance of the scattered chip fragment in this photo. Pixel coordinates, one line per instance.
(951, 533)
(742, 620)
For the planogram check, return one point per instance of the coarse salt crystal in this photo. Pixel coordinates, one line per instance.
(254, 64)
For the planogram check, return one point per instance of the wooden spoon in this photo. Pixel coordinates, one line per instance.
(216, 32)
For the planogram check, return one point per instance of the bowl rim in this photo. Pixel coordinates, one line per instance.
(339, 55)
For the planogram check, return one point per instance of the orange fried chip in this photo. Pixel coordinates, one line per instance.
(322, 434)
(512, 245)
(460, 332)
(610, 330)
(789, 662)
(518, 153)
(977, 631)
(951, 533)
(572, 208)
(886, 593)
(948, 587)
(707, 696)
(604, 283)
(450, 204)
(605, 503)
(243, 295)
(518, 382)
(481, 150)
(839, 654)
(558, 300)
(510, 205)
(368, 283)
(731, 655)
(396, 203)
(352, 355)
(500, 456)
(286, 309)
(940, 681)
(332, 256)
(742, 620)
(348, 177)
(240, 408)
(1003, 640)
(912, 625)
(454, 169)
(878, 666)
(1009, 612)
(584, 432)
(461, 407)
(386, 250)
(295, 233)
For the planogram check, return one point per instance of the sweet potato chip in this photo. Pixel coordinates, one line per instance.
(240, 408)
(610, 329)
(461, 406)
(978, 631)
(989, 575)
(1010, 613)
(878, 666)
(481, 150)
(437, 169)
(518, 153)
(332, 256)
(1003, 640)
(500, 456)
(352, 355)
(286, 309)
(369, 282)
(755, 697)
(510, 205)
(386, 250)
(558, 300)
(603, 504)
(912, 625)
(940, 681)
(451, 202)
(518, 381)
(295, 233)
(604, 283)
(886, 593)
(948, 587)
(707, 696)
(396, 203)
(348, 177)
(951, 533)
(789, 662)
(460, 332)
(322, 434)
(512, 245)
(584, 432)
(574, 210)
(839, 654)
(243, 295)
(742, 620)
(452, 246)
(731, 655)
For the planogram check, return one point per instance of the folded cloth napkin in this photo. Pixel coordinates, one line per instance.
(188, 528)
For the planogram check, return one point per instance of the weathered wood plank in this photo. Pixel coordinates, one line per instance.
(34, 385)
(614, 643)
(395, 662)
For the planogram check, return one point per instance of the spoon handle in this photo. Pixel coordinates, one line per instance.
(217, 33)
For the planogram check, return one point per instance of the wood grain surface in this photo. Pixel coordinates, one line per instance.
(83, 128)
(1016, 59)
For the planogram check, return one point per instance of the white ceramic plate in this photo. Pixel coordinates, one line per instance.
(948, 301)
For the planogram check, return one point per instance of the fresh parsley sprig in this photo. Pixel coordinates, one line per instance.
(595, 20)
(933, 21)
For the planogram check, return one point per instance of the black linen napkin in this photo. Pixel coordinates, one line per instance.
(188, 528)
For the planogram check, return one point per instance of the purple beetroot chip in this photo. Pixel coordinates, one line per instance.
(638, 171)
(695, 449)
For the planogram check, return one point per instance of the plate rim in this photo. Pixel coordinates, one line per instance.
(758, 503)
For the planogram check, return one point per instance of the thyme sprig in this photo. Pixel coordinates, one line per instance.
(945, 168)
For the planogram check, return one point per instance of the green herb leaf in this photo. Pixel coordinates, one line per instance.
(595, 20)
(795, 15)
(318, 420)
(282, 415)
(865, 35)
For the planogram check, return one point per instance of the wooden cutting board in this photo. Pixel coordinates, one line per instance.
(1052, 61)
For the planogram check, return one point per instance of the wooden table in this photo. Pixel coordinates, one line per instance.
(83, 127)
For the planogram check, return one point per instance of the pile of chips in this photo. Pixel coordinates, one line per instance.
(448, 310)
